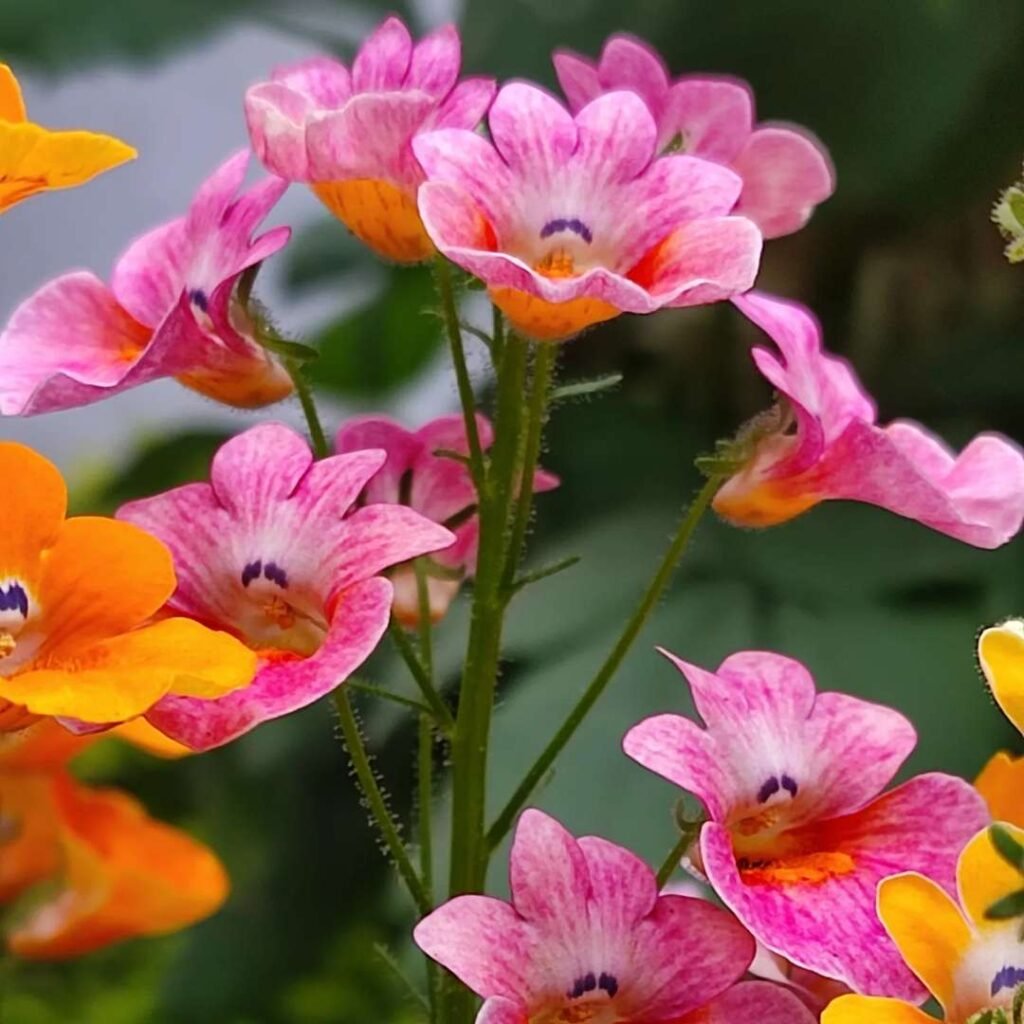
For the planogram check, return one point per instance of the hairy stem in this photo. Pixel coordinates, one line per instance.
(442, 715)
(304, 392)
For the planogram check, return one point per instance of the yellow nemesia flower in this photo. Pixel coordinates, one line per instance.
(1001, 656)
(36, 159)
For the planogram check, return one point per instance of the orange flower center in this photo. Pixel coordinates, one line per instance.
(559, 262)
(7, 644)
(279, 612)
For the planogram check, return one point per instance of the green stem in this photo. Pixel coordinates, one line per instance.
(425, 623)
(395, 698)
(375, 802)
(611, 664)
(304, 392)
(443, 716)
(686, 838)
(450, 313)
(425, 782)
(543, 366)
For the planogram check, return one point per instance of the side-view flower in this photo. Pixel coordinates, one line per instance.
(799, 832)
(275, 551)
(171, 310)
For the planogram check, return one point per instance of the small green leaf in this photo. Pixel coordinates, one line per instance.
(1007, 908)
(288, 349)
(1007, 847)
(585, 388)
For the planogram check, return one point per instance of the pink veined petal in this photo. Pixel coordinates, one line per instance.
(533, 132)
(150, 276)
(629, 63)
(577, 76)
(369, 138)
(331, 486)
(383, 60)
(402, 447)
(714, 116)
(442, 487)
(281, 687)
(323, 81)
(830, 926)
(786, 173)
(622, 886)
(44, 366)
(754, 1002)
(215, 195)
(502, 1011)
(483, 942)
(276, 116)
(465, 105)
(616, 139)
(435, 62)
(706, 260)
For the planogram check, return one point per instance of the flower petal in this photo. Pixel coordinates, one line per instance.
(714, 116)
(149, 278)
(629, 63)
(12, 106)
(868, 1010)
(532, 131)
(577, 75)
(1001, 655)
(616, 140)
(1001, 783)
(548, 873)
(383, 60)
(466, 104)
(29, 819)
(754, 1002)
(34, 506)
(984, 877)
(501, 1011)
(435, 62)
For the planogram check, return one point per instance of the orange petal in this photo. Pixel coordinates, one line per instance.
(45, 745)
(550, 321)
(125, 875)
(983, 877)
(102, 578)
(873, 1010)
(146, 737)
(1001, 783)
(122, 678)
(12, 106)
(34, 159)
(29, 849)
(35, 500)
(1001, 654)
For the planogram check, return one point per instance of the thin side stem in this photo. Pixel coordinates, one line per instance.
(440, 710)
(671, 862)
(375, 801)
(606, 672)
(425, 624)
(305, 395)
(395, 698)
(425, 784)
(450, 314)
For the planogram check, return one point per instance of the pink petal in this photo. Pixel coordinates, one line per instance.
(276, 117)
(616, 139)
(548, 873)
(435, 62)
(622, 886)
(466, 104)
(502, 1011)
(215, 196)
(577, 75)
(150, 276)
(369, 138)
(401, 445)
(629, 63)
(831, 926)
(44, 366)
(282, 687)
(755, 1002)
(482, 941)
(715, 117)
(786, 173)
(383, 61)
(324, 82)
(532, 131)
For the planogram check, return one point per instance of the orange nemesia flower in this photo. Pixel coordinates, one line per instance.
(35, 159)
(76, 600)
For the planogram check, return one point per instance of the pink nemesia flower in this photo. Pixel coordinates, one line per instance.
(170, 311)
(838, 450)
(347, 133)
(799, 837)
(786, 171)
(435, 486)
(587, 938)
(270, 551)
(571, 221)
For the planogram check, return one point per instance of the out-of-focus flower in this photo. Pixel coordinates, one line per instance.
(271, 551)
(1008, 216)
(1001, 656)
(436, 486)
(172, 310)
(76, 599)
(786, 171)
(348, 133)
(572, 221)
(826, 445)
(1001, 783)
(117, 873)
(35, 159)
(588, 938)
(798, 836)
(968, 963)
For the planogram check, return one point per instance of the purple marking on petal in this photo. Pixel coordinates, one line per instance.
(789, 785)
(573, 224)
(13, 598)
(273, 572)
(199, 298)
(583, 984)
(251, 572)
(768, 790)
(609, 983)
(1008, 977)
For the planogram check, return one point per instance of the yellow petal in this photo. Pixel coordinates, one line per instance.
(12, 106)
(1001, 783)
(1001, 654)
(928, 928)
(983, 877)
(871, 1010)
(122, 678)
(34, 159)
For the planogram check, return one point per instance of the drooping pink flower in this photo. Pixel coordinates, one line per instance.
(171, 310)
(271, 552)
(348, 133)
(437, 487)
(587, 938)
(572, 221)
(786, 171)
(837, 449)
(798, 835)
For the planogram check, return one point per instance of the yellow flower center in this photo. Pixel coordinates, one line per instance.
(557, 263)
(7, 644)
(279, 612)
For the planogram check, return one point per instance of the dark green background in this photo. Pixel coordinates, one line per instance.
(920, 104)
